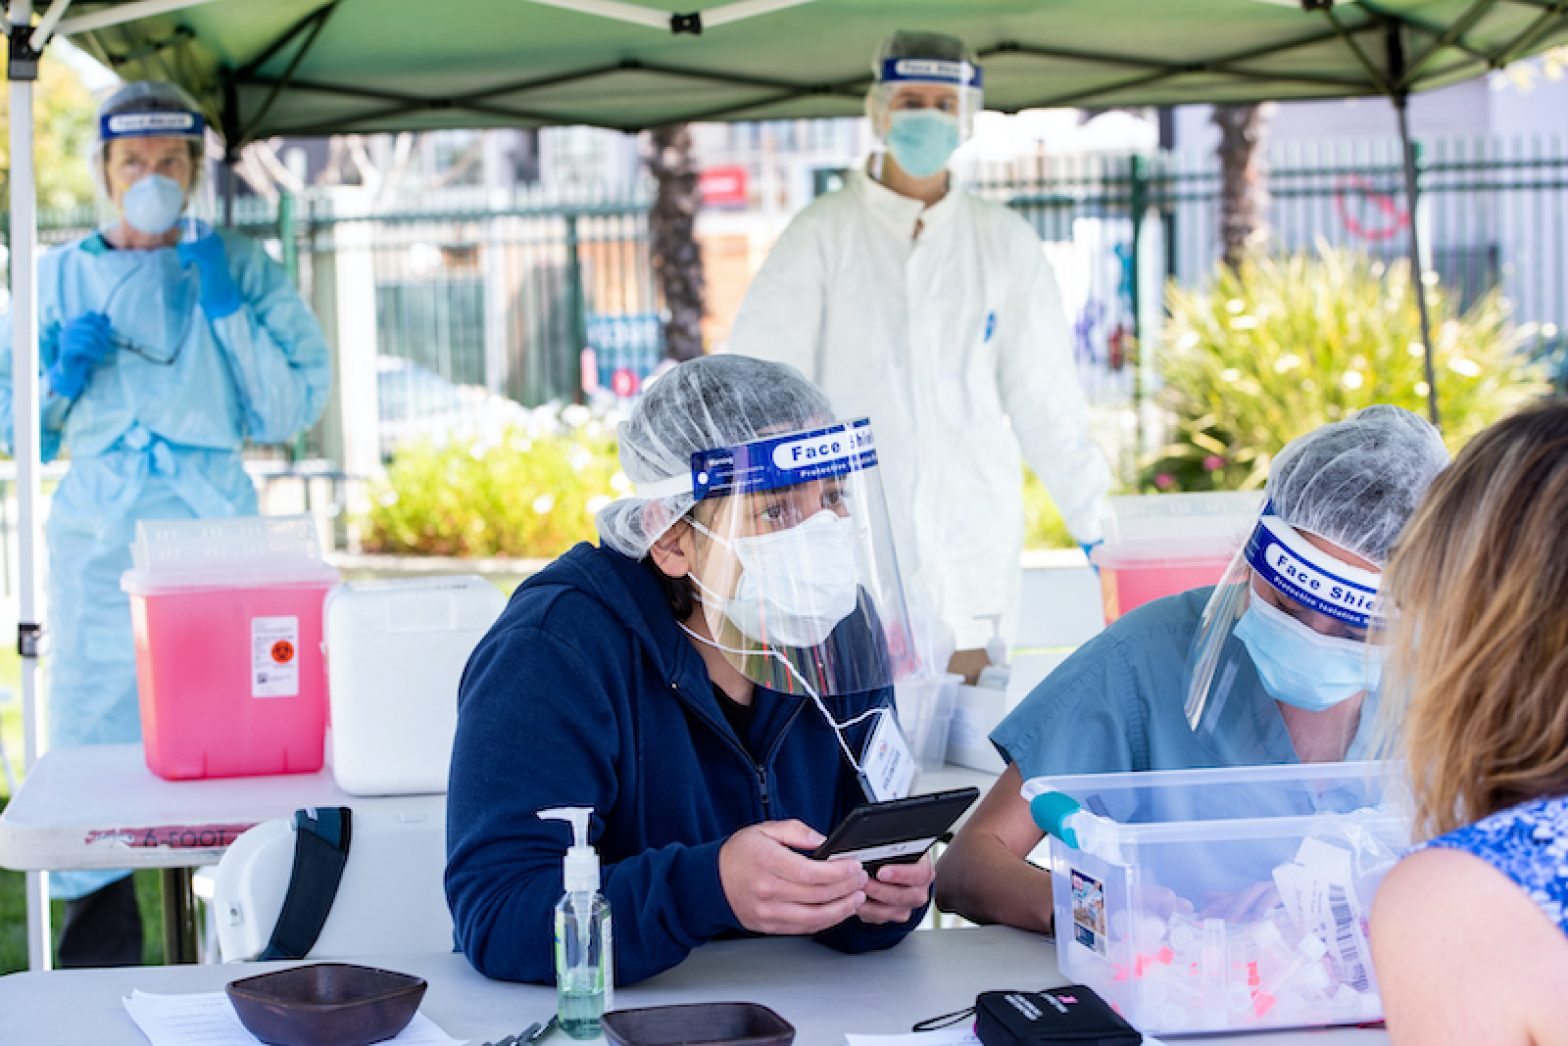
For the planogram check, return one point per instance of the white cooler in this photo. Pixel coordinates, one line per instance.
(395, 653)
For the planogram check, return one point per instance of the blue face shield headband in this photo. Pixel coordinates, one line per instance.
(151, 123)
(784, 461)
(1308, 575)
(930, 71)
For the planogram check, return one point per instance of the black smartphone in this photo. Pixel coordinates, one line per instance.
(896, 832)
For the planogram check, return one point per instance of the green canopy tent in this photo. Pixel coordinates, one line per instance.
(316, 67)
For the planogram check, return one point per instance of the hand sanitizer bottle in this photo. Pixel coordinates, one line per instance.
(995, 674)
(584, 967)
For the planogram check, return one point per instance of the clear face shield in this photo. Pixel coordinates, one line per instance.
(797, 577)
(1282, 666)
(923, 109)
(798, 583)
(149, 171)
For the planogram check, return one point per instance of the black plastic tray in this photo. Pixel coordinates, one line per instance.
(698, 1024)
(326, 1004)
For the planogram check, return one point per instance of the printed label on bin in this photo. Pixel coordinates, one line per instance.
(887, 852)
(1089, 927)
(274, 657)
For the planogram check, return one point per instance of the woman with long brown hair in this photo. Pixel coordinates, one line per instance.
(1470, 932)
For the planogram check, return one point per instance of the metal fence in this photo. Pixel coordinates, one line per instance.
(476, 303)
(1493, 214)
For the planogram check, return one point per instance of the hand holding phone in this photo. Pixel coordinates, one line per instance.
(773, 888)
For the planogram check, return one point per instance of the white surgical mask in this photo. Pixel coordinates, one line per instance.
(795, 585)
(153, 204)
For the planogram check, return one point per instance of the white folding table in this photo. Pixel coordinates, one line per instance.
(822, 993)
(98, 806)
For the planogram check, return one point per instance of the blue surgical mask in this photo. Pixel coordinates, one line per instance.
(921, 140)
(153, 204)
(1302, 667)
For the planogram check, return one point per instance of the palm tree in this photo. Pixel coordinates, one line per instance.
(1244, 195)
(677, 260)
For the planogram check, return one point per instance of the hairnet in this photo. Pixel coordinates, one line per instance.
(703, 404)
(912, 43)
(1356, 482)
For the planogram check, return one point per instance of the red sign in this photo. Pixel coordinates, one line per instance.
(625, 383)
(170, 837)
(723, 186)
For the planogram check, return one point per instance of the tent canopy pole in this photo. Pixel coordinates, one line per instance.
(1413, 242)
(1399, 95)
(22, 71)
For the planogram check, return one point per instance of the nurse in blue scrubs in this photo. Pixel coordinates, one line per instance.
(1270, 666)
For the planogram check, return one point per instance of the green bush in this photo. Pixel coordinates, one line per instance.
(531, 491)
(1291, 344)
(527, 491)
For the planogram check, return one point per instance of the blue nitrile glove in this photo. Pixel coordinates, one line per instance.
(1088, 550)
(84, 343)
(219, 295)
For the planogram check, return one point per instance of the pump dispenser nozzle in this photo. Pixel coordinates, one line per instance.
(996, 646)
(581, 868)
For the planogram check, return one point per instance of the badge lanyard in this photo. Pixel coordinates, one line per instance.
(886, 768)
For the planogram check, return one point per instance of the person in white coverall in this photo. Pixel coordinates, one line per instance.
(937, 314)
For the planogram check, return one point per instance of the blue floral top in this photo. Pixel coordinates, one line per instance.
(1529, 844)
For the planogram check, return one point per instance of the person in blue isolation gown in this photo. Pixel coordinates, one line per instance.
(164, 346)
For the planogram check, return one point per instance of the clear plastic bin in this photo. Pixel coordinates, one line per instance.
(925, 711)
(227, 618)
(1160, 544)
(1226, 899)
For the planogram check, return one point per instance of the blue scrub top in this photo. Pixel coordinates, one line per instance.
(1117, 705)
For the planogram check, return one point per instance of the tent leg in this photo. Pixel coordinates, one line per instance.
(23, 71)
(228, 191)
(1413, 242)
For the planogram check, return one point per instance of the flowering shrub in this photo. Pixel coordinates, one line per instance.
(1291, 344)
(531, 489)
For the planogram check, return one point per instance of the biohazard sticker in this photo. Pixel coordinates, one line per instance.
(274, 657)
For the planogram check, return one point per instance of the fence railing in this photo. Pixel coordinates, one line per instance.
(1493, 215)
(474, 304)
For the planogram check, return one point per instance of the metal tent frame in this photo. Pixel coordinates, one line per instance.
(136, 36)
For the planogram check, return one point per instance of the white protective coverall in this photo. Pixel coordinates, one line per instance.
(944, 325)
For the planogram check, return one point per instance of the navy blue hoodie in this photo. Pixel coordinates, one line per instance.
(587, 693)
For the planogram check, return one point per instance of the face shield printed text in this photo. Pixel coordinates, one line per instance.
(1282, 561)
(931, 70)
(785, 462)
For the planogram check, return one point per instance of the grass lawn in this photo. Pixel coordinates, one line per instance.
(13, 904)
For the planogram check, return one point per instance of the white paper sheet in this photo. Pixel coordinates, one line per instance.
(208, 1019)
(959, 1035)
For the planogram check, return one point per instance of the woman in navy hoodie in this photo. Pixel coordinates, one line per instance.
(714, 680)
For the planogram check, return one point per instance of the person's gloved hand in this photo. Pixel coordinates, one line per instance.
(219, 295)
(1088, 552)
(84, 343)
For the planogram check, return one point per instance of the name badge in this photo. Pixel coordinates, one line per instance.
(887, 765)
